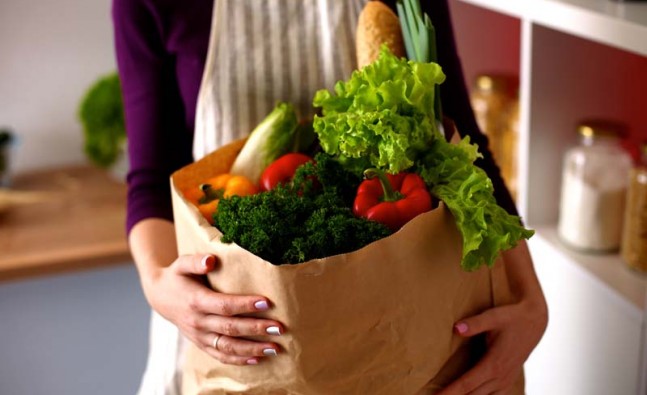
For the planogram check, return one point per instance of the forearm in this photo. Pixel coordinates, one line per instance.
(522, 278)
(153, 247)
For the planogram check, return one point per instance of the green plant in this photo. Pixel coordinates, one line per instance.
(102, 115)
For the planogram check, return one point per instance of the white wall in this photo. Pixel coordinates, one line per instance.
(50, 52)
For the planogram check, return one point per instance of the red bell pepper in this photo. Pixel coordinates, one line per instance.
(282, 170)
(392, 200)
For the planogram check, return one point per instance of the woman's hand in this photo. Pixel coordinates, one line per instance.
(512, 331)
(210, 319)
(178, 292)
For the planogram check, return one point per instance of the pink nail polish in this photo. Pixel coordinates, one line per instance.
(461, 327)
(261, 305)
(252, 361)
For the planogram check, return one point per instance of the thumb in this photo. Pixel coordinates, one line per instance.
(197, 264)
(486, 321)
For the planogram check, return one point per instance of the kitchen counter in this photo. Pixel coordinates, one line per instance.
(69, 218)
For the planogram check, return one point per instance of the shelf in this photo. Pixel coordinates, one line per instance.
(577, 59)
(622, 25)
(511, 8)
(609, 269)
(78, 226)
(617, 24)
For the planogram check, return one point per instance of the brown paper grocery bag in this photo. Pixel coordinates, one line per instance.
(375, 321)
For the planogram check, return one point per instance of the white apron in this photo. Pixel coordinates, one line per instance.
(260, 52)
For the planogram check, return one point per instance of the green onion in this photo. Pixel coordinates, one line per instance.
(419, 39)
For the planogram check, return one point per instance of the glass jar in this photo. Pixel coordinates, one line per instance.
(595, 177)
(634, 235)
(495, 102)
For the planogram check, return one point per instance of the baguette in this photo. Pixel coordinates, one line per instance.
(377, 25)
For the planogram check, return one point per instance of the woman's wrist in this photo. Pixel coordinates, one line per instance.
(523, 281)
(153, 247)
(149, 276)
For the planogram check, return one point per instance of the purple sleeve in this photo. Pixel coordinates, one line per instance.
(158, 139)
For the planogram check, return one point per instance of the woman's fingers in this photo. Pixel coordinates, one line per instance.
(485, 378)
(510, 340)
(488, 388)
(202, 313)
(231, 359)
(209, 302)
(230, 348)
(236, 346)
(197, 264)
(470, 381)
(241, 326)
(478, 381)
(488, 320)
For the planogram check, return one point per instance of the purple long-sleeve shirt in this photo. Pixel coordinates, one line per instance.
(161, 48)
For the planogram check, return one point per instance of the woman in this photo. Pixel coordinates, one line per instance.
(162, 49)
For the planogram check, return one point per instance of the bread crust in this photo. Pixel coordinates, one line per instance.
(377, 25)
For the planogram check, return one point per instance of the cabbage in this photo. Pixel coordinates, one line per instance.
(271, 138)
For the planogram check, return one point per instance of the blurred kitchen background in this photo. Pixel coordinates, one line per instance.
(73, 319)
(81, 330)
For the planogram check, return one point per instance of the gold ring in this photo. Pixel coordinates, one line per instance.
(214, 343)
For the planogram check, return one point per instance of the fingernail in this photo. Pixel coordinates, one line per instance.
(273, 330)
(262, 305)
(252, 361)
(205, 261)
(461, 327)
(270, 352)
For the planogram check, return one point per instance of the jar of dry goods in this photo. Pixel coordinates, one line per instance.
(595, 177)
(495, 102)
(634, 236)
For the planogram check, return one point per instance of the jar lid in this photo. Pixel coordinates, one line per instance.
(508, 83)
(601, 128)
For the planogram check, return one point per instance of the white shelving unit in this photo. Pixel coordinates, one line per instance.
(576, 59)
(618, 24)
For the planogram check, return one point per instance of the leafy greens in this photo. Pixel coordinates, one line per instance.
(101, 112)
(383, 116)
(487, 229)
(300, 221)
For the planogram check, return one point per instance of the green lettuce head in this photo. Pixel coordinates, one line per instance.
(383, 116)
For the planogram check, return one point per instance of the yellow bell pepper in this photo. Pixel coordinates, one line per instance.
(207, 195)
